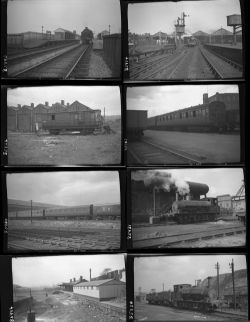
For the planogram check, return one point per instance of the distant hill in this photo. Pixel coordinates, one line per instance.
(226, 284)
(17, 205)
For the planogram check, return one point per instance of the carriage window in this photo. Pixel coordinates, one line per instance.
(53, 117)
(180, 116)
(186, 114)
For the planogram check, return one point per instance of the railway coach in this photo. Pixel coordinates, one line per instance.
(203, 117)
(87, 212)
(84, 121)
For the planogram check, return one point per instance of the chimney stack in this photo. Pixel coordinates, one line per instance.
(32, 105)
(19, 105)
(80, 278)
(62, 102)
(90, 274)
(46, 103)
(208, 281)
(71, 280)
(74, 279)
(205, 98)
(67, 104)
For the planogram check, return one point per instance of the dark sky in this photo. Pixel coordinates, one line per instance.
(51, 270)
(220, 180)
(95, 97)
(152, 272)
(31, 15)
(65, 188)
(207, 16)
(163, 99)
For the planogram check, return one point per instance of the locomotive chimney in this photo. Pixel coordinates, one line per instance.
(205, 98)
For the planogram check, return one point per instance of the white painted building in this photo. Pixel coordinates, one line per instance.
(101, 289)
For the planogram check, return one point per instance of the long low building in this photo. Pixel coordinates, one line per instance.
(101, 289)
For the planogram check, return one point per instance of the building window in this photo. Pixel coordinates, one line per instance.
(194, 113)
(53, 117)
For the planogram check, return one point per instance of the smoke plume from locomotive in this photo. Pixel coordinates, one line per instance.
(163, 180)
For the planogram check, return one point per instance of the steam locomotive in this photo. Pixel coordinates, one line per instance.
(184, 296)
(87, 36)
(190, 211)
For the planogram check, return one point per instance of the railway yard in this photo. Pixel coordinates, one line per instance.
(209, 234)
(54, 305)
(63, 235)
(68, 61)
(173, 147)
(69, 148)
(185, 63)
(146, 312)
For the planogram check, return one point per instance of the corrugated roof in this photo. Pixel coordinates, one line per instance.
(222, 32)
(80, 105)
(200, 33)
(99, 282)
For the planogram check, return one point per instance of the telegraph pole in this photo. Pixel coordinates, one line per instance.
(31, 211)
(154, 191)
(217, 267)
(231, 265)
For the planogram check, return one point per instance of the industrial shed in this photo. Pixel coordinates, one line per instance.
(101, 289)
(62, 34)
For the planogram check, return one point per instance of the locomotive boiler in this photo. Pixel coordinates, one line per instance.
(184, 296)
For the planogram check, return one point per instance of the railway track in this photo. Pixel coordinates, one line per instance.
(230, 315)
(64, 239)
(145, 152)
(188, 63)
(70, 64)
(32, 53)
(188, 237)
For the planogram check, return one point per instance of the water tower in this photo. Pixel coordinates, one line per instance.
(235, 22)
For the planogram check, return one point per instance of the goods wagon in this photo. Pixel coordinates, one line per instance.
(184, 296)
(136, 123)
(84, 121)
(87, 36)
(94, 212)
(204, 117)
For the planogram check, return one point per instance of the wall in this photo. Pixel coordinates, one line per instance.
(112, 291)
(112, 53)
(87, 292)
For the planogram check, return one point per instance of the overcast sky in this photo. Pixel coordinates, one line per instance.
(207, 16)
(152, 272)
(95, 97)
(162, 99)
(31, 15)
(51, 270)
(65, 188)
(220, 180)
